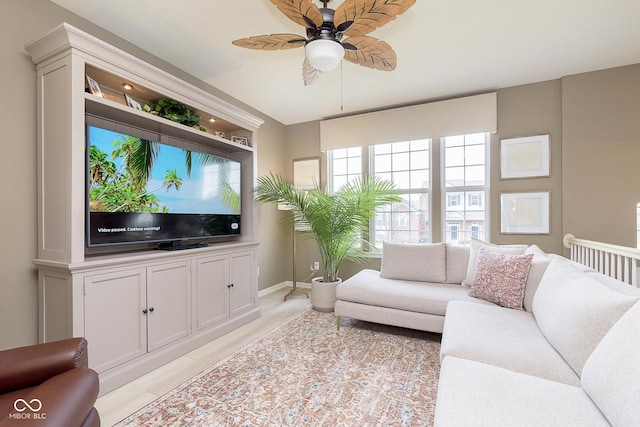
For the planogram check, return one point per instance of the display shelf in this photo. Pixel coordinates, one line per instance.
(111, 87)
(106, 108)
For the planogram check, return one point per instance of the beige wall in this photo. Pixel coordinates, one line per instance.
(529, 110)
(601, 154)
(21, 22)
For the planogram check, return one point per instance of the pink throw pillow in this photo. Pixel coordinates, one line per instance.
(501, 278)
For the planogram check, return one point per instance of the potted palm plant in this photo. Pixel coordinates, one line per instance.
(335, 221)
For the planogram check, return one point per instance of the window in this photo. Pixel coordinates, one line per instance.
(464, 179)
(344, 165)
(408, 165)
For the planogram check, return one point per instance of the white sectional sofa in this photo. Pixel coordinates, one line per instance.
(568, 356)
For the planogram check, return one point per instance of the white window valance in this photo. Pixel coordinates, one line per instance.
(459, 116)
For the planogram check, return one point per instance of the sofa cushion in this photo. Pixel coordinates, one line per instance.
(367, 287)
(538, 267)
(477, 394)
(476, 245)
(417, 262)
(506, 338)
(500, 278)
(574, 311)
(611, 375)
(457, 262)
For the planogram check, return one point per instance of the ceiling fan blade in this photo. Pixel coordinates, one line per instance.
(371, 52)
(271, 42)
(298, 10)
(367, 15)
(310, 75)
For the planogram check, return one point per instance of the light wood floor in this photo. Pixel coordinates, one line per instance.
(122, 402)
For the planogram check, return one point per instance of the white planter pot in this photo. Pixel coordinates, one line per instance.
(323, 295)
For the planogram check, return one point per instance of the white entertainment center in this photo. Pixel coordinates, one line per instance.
(138, 308)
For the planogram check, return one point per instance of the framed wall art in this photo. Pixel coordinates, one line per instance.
(525, 213)
(306, 173)
(526, 157)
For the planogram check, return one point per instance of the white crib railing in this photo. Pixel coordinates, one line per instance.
(619, 262)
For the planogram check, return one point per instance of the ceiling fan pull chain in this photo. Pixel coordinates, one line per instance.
(341, 87)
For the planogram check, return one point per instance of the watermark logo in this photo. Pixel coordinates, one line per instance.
(27, 410)
(22, 405)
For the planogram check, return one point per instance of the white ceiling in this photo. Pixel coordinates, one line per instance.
(444, 48)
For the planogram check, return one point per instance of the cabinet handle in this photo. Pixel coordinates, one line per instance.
(144, 311)
(151, 309)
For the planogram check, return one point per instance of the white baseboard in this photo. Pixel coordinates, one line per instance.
(285, 284)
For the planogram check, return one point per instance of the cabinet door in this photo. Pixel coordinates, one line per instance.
(212, 299)
(114, 326)
(242, 276)
(168, 303)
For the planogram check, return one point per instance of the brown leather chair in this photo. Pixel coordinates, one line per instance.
(48, 385)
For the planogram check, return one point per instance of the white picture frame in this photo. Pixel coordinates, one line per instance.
(240, 140)
(94, 87)
(525, 213)
(526, 157)
(132, 102)
(306, 173)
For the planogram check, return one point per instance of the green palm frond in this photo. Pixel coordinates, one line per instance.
(335, 221)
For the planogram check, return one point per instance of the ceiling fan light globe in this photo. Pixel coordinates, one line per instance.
(324, 55)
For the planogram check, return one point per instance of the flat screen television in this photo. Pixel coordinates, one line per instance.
(174, 193)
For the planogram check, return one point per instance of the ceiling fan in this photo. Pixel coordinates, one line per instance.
(325, 27)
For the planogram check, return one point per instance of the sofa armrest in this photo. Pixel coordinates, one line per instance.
(32, 365)
(66, 400)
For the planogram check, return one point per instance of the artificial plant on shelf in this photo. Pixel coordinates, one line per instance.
(336, 221)
(175, 111)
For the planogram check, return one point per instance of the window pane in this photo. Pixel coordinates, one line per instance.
(340, 166)
(454, 177)
(454, 156)
(401, 180)
(383, 163)
(401, 161)
(398, 147)
(420, 178)
(355, 165)
(474, 155)
(420, 160)
(421, 144)
(339, 153)
(407, 221)
(475, 175)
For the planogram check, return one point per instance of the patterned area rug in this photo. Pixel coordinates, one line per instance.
(306, 372)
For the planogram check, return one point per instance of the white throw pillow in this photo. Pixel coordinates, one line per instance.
(538, 267)
(477, 244)
(416, 262)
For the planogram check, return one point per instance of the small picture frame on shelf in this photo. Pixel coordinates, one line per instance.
(240, 140)
(94, 87)
(220, 134)
(132, 102)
